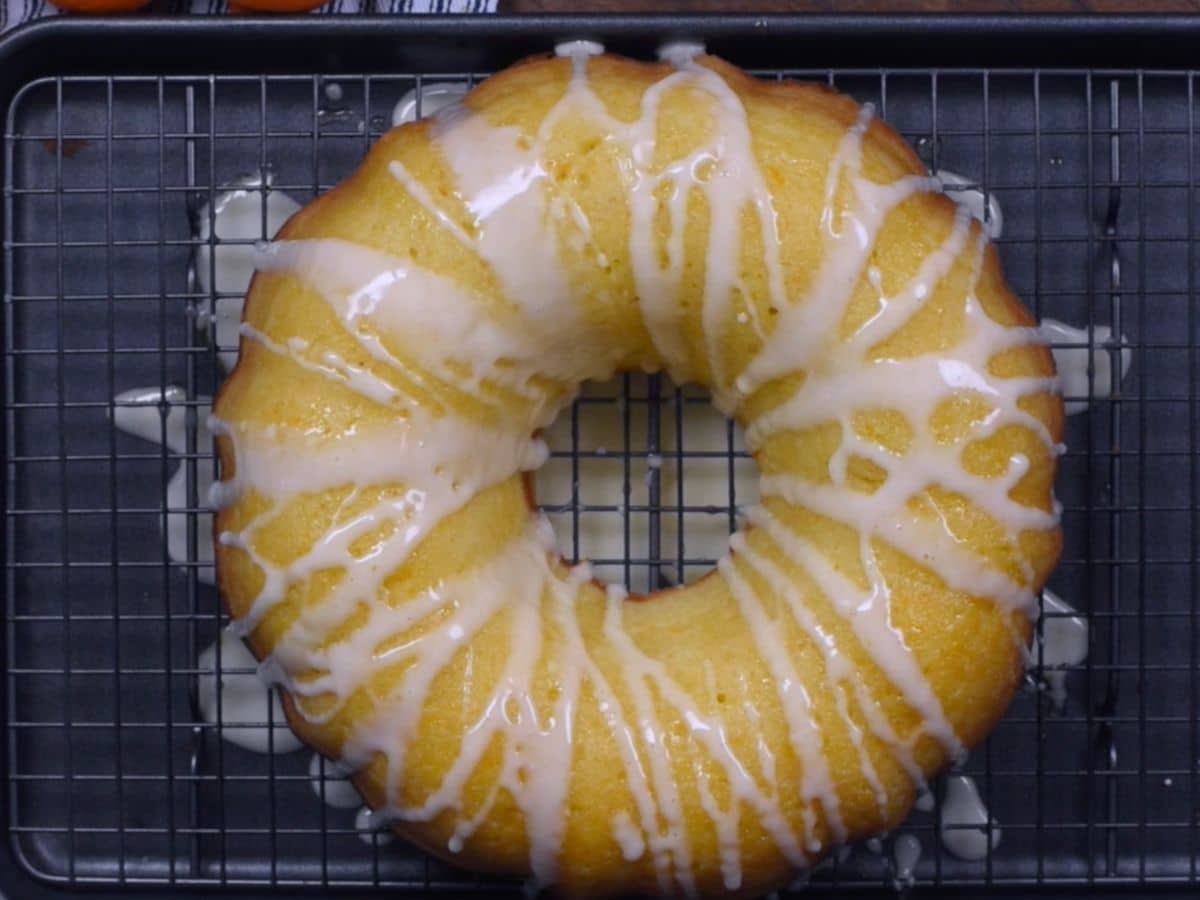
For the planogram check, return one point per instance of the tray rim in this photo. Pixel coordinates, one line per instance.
(175, 43)
(170, 45)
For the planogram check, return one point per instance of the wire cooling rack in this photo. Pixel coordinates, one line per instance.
(114, 777)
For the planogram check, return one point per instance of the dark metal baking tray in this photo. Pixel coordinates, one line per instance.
(115, 132)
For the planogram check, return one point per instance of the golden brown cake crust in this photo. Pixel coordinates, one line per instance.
(310, 370)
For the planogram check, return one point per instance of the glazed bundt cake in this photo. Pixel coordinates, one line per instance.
(410, 332)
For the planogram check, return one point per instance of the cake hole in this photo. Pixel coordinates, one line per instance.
(646, 481)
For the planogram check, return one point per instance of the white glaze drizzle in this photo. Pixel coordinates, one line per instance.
(1076, 350)
(223, 272)
(969, 194)
(1063, 644)
(159, 415)
(330, 782)
(431, 98)
(839, 671)
(246, 702)
(707, 731)
(805, 326)
(448, 458)
(372, 831)
(964, 820)
(869, 615)
(506, 194)
(578, 49)
(906, 853)
(628, 837)
(724, 170)
(519, 222)
(373, 293)
(681, 53)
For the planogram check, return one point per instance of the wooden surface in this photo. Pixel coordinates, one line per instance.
(860, 6)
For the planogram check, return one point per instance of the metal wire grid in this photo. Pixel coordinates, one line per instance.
(115, 778)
